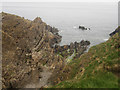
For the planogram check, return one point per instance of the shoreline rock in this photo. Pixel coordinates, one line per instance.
(76, 48)
(114, 32)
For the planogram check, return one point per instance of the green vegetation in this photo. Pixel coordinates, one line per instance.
(98, 68)
(100, 79)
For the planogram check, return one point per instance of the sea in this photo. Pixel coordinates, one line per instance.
(100, 17)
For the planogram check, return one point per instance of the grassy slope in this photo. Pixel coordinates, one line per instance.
(97, 68)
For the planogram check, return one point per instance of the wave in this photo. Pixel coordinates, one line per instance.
(105, 39)
(74, 27)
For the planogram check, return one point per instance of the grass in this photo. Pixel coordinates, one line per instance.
(100, 79)
(89, 71)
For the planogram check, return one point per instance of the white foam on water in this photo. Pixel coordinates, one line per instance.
(105, 39)
(74, 27)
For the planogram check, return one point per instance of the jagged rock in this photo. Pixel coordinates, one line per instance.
(71, 45)
(52, 29)
(37, 20)
(26, 46)
(66, 50)
(83, 28)
(82, 43)
(114, 32)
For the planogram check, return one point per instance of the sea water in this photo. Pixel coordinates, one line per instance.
(100, 17)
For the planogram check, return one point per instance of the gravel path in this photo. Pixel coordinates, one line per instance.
(45, 75)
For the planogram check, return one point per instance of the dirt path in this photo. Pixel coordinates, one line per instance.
(45, 75)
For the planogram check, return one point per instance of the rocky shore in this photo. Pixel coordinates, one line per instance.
(67, 50)
(28, 46)
(97, 68)
(114, 32)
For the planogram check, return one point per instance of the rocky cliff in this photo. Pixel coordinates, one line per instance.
(27, 46)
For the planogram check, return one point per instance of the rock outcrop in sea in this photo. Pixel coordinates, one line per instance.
(84, 28)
